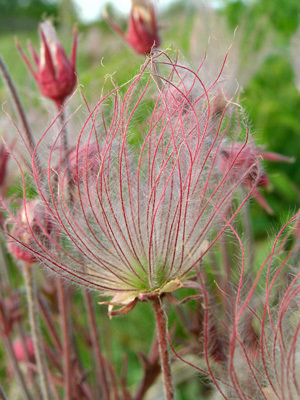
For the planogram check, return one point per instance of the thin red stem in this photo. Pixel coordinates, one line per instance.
(161, 325)
(99, 360)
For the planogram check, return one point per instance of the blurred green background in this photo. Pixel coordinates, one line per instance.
(266, 67)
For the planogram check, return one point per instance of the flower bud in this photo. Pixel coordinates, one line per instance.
(22, 232)
(246, 163)
(20, 351)
(84, 163)
(55, 75)
(242, 163)
(4, 155)
(142, 33)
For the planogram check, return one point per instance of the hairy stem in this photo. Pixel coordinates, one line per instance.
(63, 298)
(21, 112)
(161, 326)
(64, 133)
(35, 331)
(151, 371)
(156, 75)
(49, 322)
(2, 394)
(99, 360)
(16, 99)
(18, 373)
(246, 219)
(63, 311)
(6, 339)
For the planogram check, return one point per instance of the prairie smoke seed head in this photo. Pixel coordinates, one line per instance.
(143, 212)
(268, 366)
(55, 74)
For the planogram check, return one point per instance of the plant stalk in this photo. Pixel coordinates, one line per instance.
(62, 290)
(2, 394)
(63, 310)
(21, 112)
(18, 373)
(161, 325)
(35, 331)
(9, 82)
(99, 360)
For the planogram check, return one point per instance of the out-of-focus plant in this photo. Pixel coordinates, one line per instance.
(295, 57)
(263, 345)
(142, 32)
(18, 15)
(213, 37)
(245, 325)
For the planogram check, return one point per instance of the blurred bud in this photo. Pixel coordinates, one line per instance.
(20, 352)
(55, 75)
(142, 33)
(27, 223)
(218, 105)
(247, 167)
(250, 337)
(84, 163)
(4, 155)
(246, 163)
(217, 342)
(11, 309)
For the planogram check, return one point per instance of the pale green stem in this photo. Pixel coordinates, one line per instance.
(35, 330)
(2, 394)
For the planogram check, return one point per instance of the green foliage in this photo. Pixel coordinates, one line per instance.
(282, 16)
(18, 15)
(272, 102)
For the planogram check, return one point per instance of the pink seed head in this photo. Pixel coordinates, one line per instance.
(136, 202)
(264, 335)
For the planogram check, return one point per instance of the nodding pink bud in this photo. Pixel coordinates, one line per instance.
(4, 155)
(22, 232)
(142, 34)
(247, 167)
(55, 75)
(85, 162)
(20, 352)
(246, 164)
